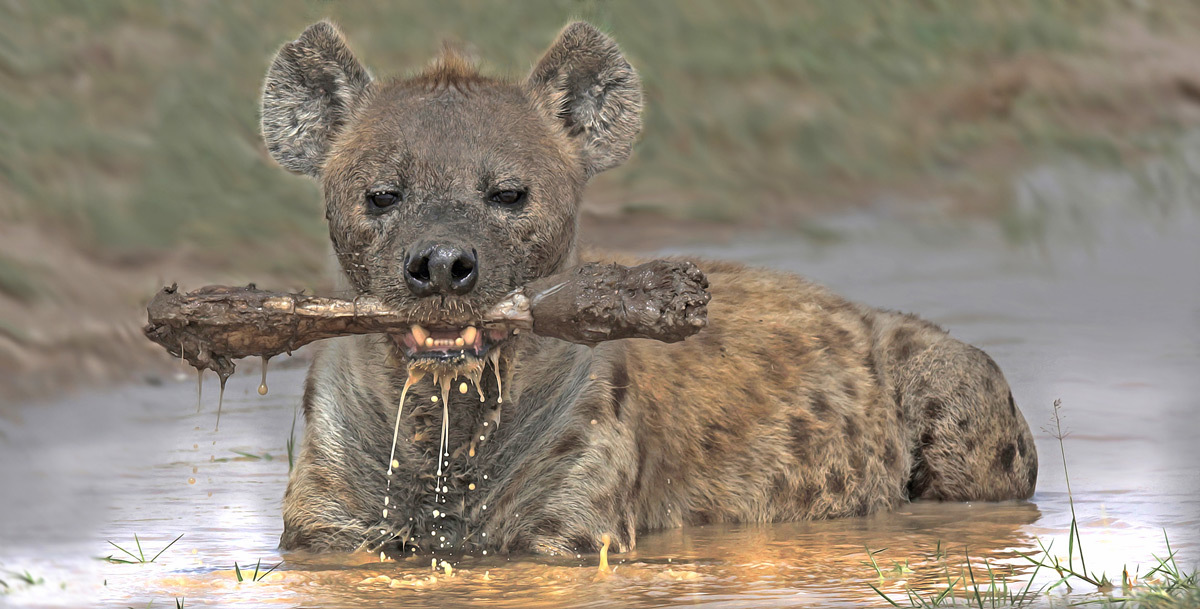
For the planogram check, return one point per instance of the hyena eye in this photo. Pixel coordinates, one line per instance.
(508, 197)
(380, 201)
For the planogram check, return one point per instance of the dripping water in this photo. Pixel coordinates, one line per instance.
(220, 400)
(494, 356)
(199, 387)
(262, 387)
(414, 377)
(442, 450)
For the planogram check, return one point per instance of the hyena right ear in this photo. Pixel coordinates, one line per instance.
(312, 87)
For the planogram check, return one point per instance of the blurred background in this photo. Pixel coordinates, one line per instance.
(1025, 173)
(130, 155)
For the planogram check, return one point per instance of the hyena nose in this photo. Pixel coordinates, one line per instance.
(440, 269)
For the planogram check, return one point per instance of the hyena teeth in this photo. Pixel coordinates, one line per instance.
(469, 334)
(429, 342)
(420, 335)
(458, 342)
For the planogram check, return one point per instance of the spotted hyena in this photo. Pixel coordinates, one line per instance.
(446, 190)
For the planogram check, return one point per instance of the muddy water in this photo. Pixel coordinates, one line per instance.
(1109, 323)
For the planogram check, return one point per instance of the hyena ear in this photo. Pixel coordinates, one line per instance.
(585, 82)
(311, 89)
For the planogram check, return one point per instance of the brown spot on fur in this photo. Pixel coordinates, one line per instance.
(853, 431)
(835, 481)
(800, 431)
(566, 445)
(850, 388)
(903, 344)
(709, 442)
(1004, 460)
(820, 405)
(934, 409)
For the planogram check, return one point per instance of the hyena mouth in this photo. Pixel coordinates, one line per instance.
(449, 347)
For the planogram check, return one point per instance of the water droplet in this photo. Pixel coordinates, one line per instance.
(471, 486)
(191, 480)
(262, 387)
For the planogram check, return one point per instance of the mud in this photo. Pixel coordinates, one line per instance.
(212, 326)
(661, 300)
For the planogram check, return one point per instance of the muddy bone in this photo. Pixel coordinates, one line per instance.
(663, 300)
(212, 326)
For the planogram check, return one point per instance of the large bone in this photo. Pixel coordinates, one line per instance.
(212, 326)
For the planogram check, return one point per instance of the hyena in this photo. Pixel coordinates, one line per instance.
(448, 189)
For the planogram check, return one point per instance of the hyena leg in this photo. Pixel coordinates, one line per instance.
(970, 441)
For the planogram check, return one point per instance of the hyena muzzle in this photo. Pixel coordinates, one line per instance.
(446, 190)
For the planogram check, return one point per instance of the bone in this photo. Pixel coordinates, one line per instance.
(660, 300)
(215, 325)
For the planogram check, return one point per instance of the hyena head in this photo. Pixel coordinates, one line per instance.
(447, 190)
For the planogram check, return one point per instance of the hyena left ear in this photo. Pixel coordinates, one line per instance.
(585, 82)
(311, 89)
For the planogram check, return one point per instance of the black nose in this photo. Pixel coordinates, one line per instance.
(440, 269)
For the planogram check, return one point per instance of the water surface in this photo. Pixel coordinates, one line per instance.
(1111, 326)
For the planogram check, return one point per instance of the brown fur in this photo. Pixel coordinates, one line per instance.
(792, 404)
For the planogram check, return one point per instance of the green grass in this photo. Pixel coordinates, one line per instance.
(1164, 586)
(17, 280)
(256, 576)
(24, 577)
(140, 557)
(132, 127)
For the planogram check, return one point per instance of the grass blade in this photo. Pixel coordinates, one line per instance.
(166, 547)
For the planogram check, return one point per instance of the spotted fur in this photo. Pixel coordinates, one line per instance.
(792, 404)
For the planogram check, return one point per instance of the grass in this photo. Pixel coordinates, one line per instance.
(17, 280)
(140, 557)
(132, 127)
(993, 591)
(24, 577)
(1164, 586)
(256, 576)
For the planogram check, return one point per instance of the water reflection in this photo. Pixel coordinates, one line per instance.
(1113, 331)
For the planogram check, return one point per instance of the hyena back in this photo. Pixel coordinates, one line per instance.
(446, 190)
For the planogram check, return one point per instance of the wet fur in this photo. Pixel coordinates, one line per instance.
(793, 404)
